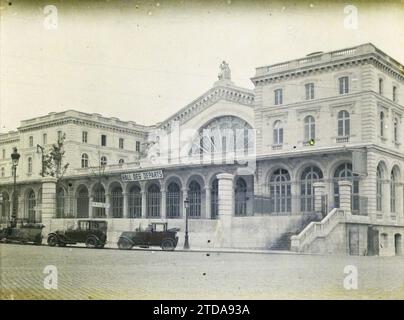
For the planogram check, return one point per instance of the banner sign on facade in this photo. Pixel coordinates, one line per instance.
(100, 205)
(139, 176)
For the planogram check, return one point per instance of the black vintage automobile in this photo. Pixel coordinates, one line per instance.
(91, 232)
(156, 234)
(22, 232)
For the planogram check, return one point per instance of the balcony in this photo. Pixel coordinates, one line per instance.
(342, 139)
(276, 147)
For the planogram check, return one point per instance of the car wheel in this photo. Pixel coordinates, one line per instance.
(52, 241)
(168, 245)
(91, 242)
(124, 244)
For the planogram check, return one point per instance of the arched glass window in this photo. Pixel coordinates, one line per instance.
(278, 133)
(117, 202)
(344, 172)
(343, 123)
(309, 128)
(121, 161)
(153, 201)
(221, 137)
(31, 203)
(135, 202)
(82, 203)
(103, 160)
(309, 176)
(241, 197)
(280, 191)
(379, 189)
(395, 130)
(60, 203)
(84, 160)
(173, 200)
(194, 197)
(5, 206)
(393, 184)
(29, 165)
(214, 199)
(382, 124)
(99, 196)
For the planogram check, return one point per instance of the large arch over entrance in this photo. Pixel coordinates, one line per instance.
(5, 207)
(82, 202)
(135, 202)
(153, 201)
(240, 195)
(309, 175)
(99, 198)
(173, 196)
(221, 137)
(280, 191)
(31, 206)
(344, 172)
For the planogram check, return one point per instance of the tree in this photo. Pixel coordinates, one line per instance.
(52, 160)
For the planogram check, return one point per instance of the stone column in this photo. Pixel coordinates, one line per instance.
(48, 203)
(367, 184)
(144, 204)
(125, 205)
(90, 206)
(208, 214)
(108, 209)
(319, 192)
(226, 207)
(345, 188)
(163, 204)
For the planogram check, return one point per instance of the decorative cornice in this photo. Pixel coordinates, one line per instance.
(229, 93)
(78, 121)
(294, 69)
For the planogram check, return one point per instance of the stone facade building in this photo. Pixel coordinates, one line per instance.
(311, 160)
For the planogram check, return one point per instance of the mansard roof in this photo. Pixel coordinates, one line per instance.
(222, 90)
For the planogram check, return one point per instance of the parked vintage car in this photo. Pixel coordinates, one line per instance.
(156, 234)
(91, 232)
(22, 232)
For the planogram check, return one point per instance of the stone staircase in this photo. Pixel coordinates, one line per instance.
(301, 242)
(284, 242)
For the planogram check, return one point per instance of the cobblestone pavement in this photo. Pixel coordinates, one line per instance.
(145, 274)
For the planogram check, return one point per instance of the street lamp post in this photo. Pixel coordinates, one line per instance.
(15, 157)
(186, 243)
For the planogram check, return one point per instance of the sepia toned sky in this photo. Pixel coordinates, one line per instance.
(144, 60)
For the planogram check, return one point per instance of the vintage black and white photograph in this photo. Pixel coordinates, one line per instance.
(201, 150)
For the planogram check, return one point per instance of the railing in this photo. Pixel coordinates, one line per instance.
(344, 52)
(315, 229)
(288, 205)
(342, 139)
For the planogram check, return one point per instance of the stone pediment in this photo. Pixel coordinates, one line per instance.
(218, 92)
